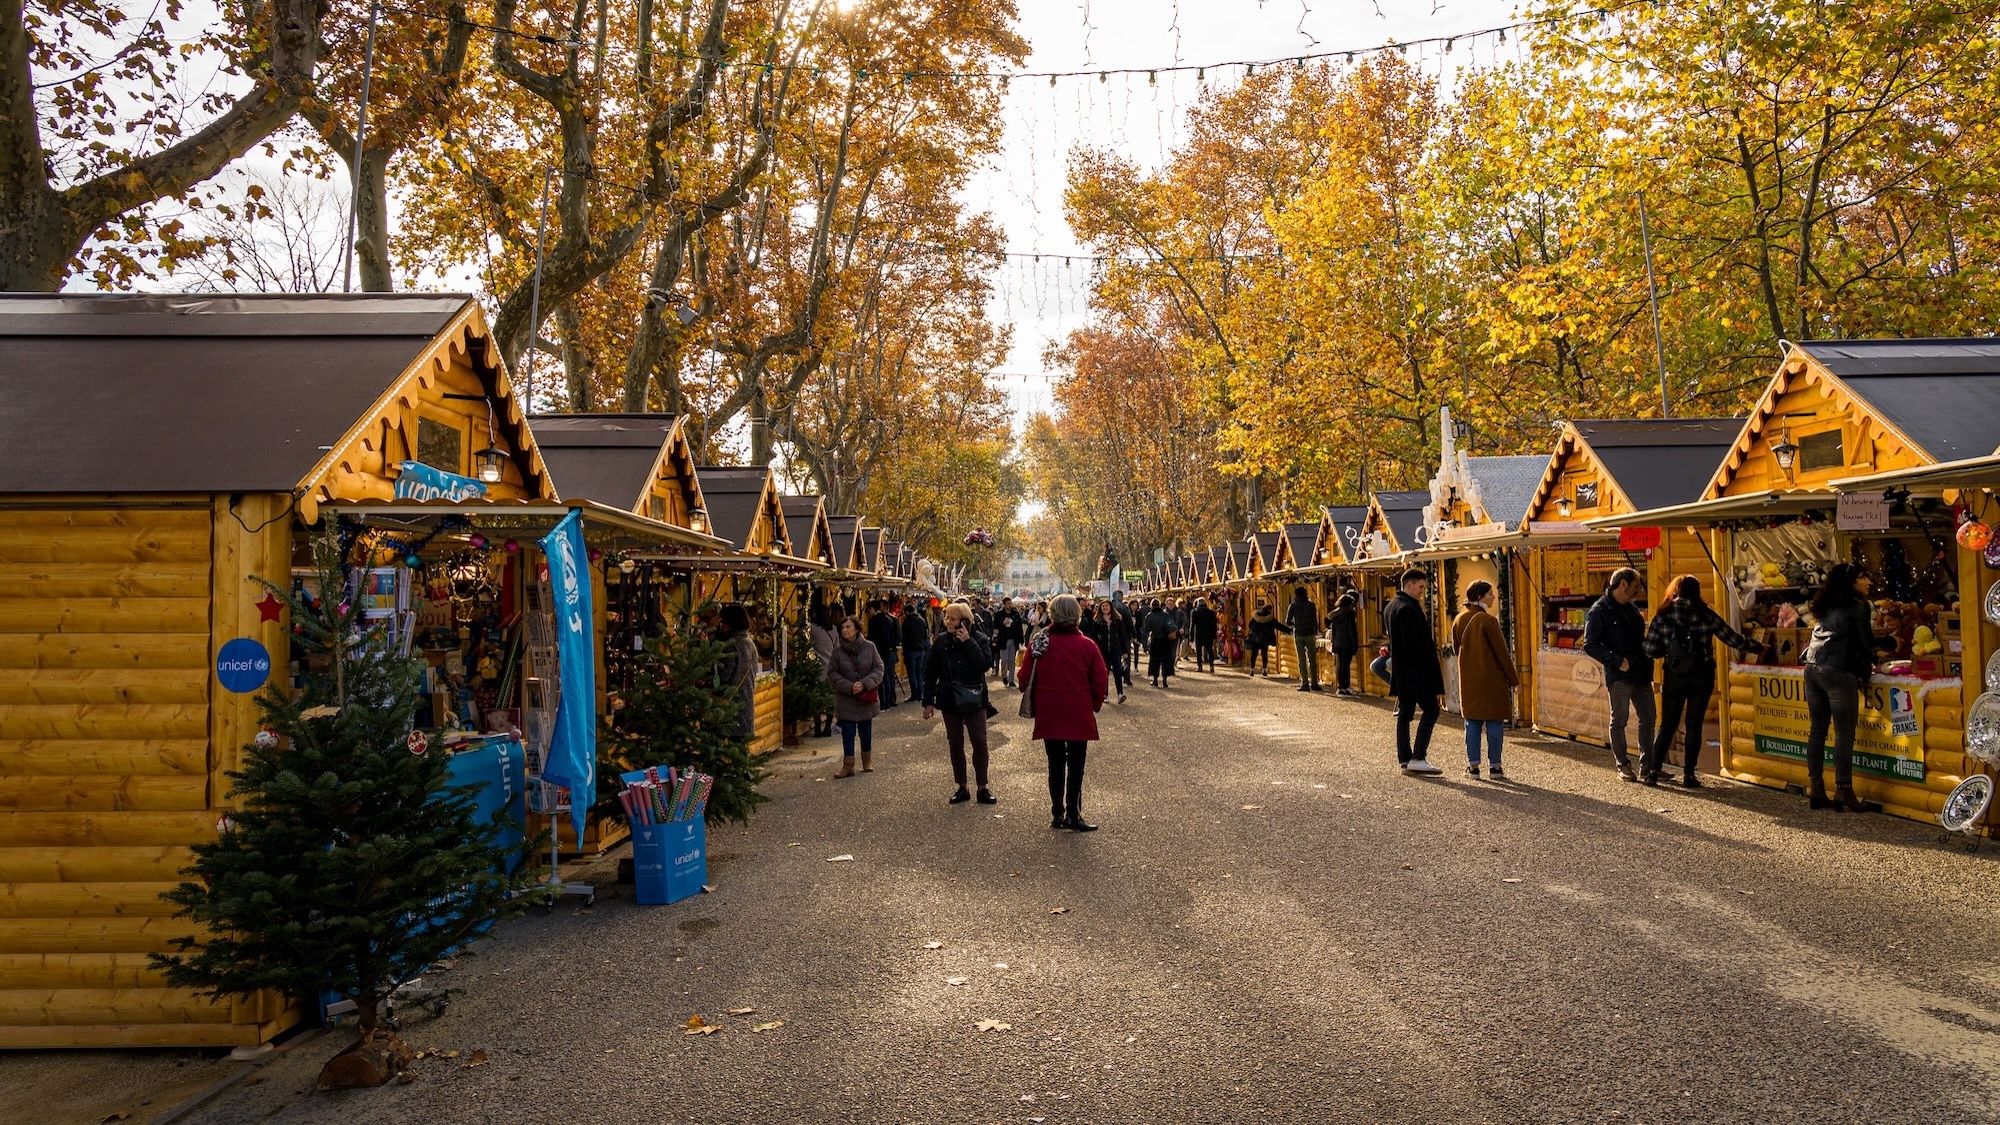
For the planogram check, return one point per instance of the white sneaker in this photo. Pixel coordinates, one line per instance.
(1422, 765)
(1121, 697)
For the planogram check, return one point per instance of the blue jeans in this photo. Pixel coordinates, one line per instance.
(913, 662)
(1492, 727)
(848, 729)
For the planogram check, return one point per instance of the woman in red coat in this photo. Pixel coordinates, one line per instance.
(1066, 673)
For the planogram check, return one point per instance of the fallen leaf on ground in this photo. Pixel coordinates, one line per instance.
(1659, 810)
(841, 859)
(698, 1026)
(1510, 880)
(994, 1025)
(1492, 849)
(999, 964)
(1013, 874)
(477, 1058)
(741, 1011)
(116, 1115)
(956, 981)
(1251, 808)
(708, 888)
(1320, 786)
(933, 945)
(771, 1026)
(794, 844)
(1060, 910)
(1346, 796)
(1029, 1098)
(999, 816)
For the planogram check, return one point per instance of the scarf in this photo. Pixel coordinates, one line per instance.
(1263, 614)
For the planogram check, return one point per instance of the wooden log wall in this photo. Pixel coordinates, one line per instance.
(109, 619)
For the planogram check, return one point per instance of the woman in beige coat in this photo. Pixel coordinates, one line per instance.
(1486, 677)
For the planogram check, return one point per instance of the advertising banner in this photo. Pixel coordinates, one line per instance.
(1888, 737)
(572, 760)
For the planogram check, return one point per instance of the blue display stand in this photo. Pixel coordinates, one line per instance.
(500, 770)
(669, 861)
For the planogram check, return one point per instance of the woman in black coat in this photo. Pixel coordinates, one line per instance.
(1163, 637)
(1343, 628)
(1839, 662)
(955, 683)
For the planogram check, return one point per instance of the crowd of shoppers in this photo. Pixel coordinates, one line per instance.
(1068, 657)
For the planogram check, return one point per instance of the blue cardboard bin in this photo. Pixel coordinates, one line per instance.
(669, 861)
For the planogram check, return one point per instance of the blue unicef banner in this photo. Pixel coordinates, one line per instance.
(573, 748)
(418, 481)
(243, 665)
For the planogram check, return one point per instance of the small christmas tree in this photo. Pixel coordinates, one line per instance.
(1899, 578)
(676, 715)
(351, 864)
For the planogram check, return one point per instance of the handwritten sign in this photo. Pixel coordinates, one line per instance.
(1862, 511)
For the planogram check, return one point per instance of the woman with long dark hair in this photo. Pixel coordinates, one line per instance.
(1682, 638)
(1064, 673)
(1343, 628)
(1839, 661)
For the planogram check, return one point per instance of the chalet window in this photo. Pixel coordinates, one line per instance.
(439, 445)
(656, 507)
(1820, 451)
(1586, 494)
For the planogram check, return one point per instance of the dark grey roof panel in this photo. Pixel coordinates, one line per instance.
(1945, 394)
(732, 495)
(1405, 512)
(628, 430)
(228, 314)
(1507, 484)
(612, 475)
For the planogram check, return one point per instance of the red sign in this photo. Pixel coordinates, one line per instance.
(1638, 538)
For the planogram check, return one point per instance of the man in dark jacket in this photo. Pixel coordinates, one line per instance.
(1010, 632)
(916, 645)
(1614, 635)
(1206, 624)
(886, 634)
(1416, 677)
(1302, 618)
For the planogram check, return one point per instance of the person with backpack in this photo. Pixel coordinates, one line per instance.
(1682, 638)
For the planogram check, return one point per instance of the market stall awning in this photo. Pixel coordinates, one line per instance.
(1972, 472)
(1703, 513)
(623, 529)
(779, 566)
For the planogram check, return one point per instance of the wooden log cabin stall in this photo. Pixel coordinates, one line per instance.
(152, 469)
(1388, 539)
(1326, 563)
(1844, 416)
(1476, 504)
(1600, 468)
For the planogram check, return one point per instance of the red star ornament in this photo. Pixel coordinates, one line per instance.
(270, 608)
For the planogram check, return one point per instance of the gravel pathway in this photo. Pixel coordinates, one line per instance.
(1274, 925)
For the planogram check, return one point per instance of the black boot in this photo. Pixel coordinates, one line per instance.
(1075, 822)
(1073, 819)
(1056, 817)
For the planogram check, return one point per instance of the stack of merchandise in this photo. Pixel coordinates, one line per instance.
(656, 798)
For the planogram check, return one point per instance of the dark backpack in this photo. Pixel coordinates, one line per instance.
(1684, 655)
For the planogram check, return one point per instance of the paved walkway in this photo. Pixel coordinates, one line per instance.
(1273, 926)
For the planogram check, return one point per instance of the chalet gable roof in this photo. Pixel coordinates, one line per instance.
(225, 393)
(1942, 394)
(610, 458)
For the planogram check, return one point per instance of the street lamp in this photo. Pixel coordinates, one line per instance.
(1564, 506)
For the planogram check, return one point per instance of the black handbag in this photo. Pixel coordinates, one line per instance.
(967, 698)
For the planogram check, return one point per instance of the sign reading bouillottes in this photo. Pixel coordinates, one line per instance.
(1888, 737)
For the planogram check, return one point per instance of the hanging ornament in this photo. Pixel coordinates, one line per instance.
(478, 541)
(223, 824)
(418, 742)
(513, 546)
(1974, 535)
(596, 555)
(414, 562)
(265, 739)
(1992, 556)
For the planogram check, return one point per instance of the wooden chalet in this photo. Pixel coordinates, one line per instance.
(1858, 417)
(158, 455)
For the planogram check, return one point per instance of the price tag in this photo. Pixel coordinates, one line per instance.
(1862, 511)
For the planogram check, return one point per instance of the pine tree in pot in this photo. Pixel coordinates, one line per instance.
(350, 863)
(676, 715)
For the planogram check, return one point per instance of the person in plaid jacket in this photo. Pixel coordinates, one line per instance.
(1682, 638)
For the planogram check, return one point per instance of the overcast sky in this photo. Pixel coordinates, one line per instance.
(1045, 300)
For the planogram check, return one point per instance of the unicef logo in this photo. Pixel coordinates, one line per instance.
(243, 665)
